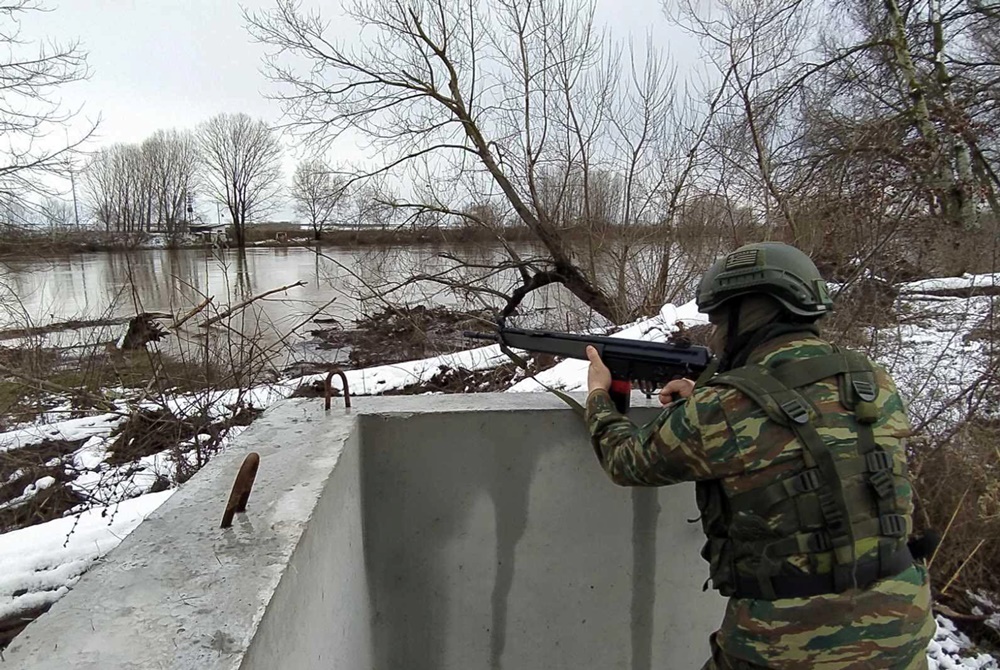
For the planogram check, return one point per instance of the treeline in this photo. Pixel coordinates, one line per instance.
(232, 162)
(143, 187)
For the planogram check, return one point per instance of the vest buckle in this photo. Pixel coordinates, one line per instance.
(807, 480)
(892, 525)
(881, 481)
(819, 542)
(865, 390)
(796, 411)
(878, 460)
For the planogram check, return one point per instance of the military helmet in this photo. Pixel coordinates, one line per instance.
(771, 268)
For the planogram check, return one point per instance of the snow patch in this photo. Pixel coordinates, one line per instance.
(69, 430)
(950, 283)
(949, 648)
(41, 563)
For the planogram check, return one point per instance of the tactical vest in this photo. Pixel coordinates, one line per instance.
(837, 520)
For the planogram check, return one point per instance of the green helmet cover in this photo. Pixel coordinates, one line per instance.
(771, 268)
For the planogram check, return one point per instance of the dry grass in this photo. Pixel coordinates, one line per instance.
(957, 493)
(957, 484)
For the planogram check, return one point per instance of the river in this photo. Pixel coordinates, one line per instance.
(39, 291)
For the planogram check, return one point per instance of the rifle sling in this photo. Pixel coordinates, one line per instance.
(521, 363)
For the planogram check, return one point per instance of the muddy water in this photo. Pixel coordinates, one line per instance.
(358, 281)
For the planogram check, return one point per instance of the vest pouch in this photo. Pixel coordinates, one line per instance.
(749, 527)
(722, 566)
(711, 503)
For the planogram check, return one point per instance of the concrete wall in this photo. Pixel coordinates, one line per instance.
(495, 540)
(419, 532)
(319, 617)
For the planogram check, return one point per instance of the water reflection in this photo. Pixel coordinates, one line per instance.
(89, 286)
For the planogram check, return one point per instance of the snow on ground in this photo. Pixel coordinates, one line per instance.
(376, 380)
(365, 381)
(986, 607)
(39, 564)
(953, 650)
(950, 283)
(933, 354)
(69, 430)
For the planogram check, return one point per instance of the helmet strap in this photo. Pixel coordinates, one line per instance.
(732, 335)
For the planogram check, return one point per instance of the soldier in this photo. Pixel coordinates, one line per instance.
(797, 449)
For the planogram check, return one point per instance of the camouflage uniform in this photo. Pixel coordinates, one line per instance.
(720, 436)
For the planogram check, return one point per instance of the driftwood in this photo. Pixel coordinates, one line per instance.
(143, 329)
(74, 324)
(959, 292)
(952, 614)
(194, 312)
(246, 303)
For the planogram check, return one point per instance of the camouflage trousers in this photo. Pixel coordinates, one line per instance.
(722, 661)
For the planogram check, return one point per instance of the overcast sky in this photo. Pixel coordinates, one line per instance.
(174, 63)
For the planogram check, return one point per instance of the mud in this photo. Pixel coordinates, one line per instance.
(402, 334)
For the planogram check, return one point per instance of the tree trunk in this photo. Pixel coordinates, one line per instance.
(942, 180)
(966, 186)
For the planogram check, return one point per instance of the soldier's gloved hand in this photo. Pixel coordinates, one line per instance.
(682, 387)
(598, 376)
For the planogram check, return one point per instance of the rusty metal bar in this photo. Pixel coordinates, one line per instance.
(240, 494)
(329, 389)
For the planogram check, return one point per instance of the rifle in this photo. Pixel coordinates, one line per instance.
(650, 364)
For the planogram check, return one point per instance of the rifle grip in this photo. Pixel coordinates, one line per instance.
(621, 394)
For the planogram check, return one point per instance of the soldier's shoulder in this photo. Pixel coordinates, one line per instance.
(788, 348)
(722, 405)
(715, 398)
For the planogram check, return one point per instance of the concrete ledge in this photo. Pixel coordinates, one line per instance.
(458, 531)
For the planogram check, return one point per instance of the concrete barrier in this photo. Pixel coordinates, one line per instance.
(423, 532)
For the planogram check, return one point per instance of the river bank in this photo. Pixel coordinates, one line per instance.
(46, 243)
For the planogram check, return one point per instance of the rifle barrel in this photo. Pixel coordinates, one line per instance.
(492, 337)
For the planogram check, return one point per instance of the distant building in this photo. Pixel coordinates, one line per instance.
(208, 232)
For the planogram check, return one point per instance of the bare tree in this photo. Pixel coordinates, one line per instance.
(756, 50)
(919, 104)
(117, 181)
(241, 167)
(30, 110)
(171, 159)
(864, 122)
(317, 194)
(524, 107)
(57, 213)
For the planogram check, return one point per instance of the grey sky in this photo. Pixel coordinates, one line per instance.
(174, 63)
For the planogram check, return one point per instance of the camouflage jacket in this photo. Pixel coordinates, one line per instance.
(719, 434)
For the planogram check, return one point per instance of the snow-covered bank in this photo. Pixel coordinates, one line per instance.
(967, 281)
(69, 430)
(39, 564)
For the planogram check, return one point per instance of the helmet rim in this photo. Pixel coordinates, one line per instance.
(778, 270)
